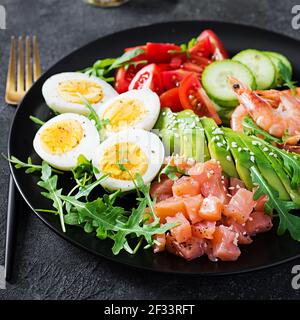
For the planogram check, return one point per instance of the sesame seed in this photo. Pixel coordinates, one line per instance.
(239, 149)
(228, 158)
(265, 149)
(219, 144)
(252, 159)
(231, 188)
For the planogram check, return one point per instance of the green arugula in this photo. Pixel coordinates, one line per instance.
(103, 68)
(251, 128)
(49, 183)
(286, 77)
(288, 221)
(36, 120)
(170, 171)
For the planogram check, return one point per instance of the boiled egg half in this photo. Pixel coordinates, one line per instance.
(62, 92)
(124, 155)
(63, 138)
(132, 109)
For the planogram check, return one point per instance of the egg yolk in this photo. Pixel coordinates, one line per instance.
(123, 161)
(69, 90)
(123, 113)
(62, 136)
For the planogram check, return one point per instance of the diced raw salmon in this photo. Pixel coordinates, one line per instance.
(204, 229)
(169, 208)
(224, 244)
(258, 222)
(183, 231)
(189, 250)
(182, 163)
(244, 237)
(162, 190)
(209, 175)
(160, 243)
(240, 206)
(235, 185)
(185, 186)
(260, 203)
(192, 206)
(211, 209)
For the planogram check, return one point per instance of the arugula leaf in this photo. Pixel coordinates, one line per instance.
(287, 221)
(287, 77)
(251, 128)
(185, 47)
(126, 58)
(170, 171)
(49, 183)
(36, 120)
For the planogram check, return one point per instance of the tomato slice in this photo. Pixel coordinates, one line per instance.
(123, 78)
(171, 100)
(147, 77)
(193, 67)
(160, 52)
(141, 56)
(202, 48)
(192, 96)
(218, 50)
(172, 78)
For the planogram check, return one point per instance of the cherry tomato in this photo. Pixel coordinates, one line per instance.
(160, 52)
(171, 100)
(203, 48)
(193, 67)
(141, 56)
(218, 50)
(147, 77)
(192, 96)
(172, 78)
(123, 78)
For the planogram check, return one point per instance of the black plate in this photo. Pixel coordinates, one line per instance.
(267, 249)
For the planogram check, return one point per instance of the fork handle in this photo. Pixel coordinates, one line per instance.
(13, 201)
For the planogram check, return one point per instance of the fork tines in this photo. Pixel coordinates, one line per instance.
(20, 78)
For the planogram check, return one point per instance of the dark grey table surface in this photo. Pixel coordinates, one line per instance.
(46, 266)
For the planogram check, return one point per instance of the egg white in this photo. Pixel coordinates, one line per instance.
(150, 101)
(68, 160)
(148, 142)
(58, 104)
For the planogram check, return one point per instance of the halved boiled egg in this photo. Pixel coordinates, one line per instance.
(132, 109)
(63, 138)
(125, 154)
(62, 92)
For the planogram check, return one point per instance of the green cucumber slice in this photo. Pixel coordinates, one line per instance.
(260, 65)
(214, 80)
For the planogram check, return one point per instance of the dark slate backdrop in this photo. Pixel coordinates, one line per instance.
(47, 267)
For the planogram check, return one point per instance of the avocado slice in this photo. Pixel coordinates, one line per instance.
(191, 136)
(217, 146)
(166, 128)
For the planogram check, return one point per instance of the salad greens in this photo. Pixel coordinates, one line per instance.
(101, 215)
(102, 68)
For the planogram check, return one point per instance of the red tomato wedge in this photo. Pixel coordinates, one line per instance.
(141, 56)
(147, 77)
(160, 52)
(218, 50)
(172, 78)
(202, 48)
(171, 99)
(193, 96)
(123, 78)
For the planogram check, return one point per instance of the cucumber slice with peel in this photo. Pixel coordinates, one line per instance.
(260, 65)
(214, 80)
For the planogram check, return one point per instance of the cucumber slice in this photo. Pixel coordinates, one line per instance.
(275, 58)
(260, 65)
(214, 80)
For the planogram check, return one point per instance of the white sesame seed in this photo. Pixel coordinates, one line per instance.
(239, 149)
(252, 159)
(231, 188)
(219, 144)
(265, 149)
(228, 158)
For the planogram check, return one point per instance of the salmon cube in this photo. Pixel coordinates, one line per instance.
(183, 231)
(211, 209)
(204, 229)
(189, 250)
(240, 206)
(169, 208)
(186, 186)
(192, 206)
(260, 203)
(258, 222)
(243, 237)
(160, 242)
(235, 185)
(162, 190)
(224, 244)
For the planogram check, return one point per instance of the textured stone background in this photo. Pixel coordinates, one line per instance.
(47, 267)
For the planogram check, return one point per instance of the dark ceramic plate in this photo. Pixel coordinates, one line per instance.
(267, 249)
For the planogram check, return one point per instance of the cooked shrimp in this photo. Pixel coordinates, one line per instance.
(259, 109)
(290, 107)
(273, 96)
(236, 121)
